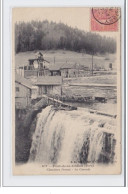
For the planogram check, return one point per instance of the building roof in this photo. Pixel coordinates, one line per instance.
(32, 59)
(74, 66)
(60, 65)
(21, 80)
(68, 66)
(49, 80)
(54, 68)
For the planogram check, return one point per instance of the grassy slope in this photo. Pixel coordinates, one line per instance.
(62, 56)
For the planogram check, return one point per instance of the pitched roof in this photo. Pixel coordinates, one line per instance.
(49, 80)
(21, 80)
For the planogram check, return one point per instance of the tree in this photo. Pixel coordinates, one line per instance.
(42, 35)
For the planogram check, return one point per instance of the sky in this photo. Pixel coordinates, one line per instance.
(72, 16)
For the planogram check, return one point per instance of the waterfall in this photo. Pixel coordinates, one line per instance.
(64, 137)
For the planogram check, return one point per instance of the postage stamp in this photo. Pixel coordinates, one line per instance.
(105, 19)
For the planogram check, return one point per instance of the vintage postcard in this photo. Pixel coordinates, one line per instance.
(66, 90)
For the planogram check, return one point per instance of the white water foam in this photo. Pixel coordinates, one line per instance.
(77, 136)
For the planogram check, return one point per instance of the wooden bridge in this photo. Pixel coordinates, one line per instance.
(46, 101)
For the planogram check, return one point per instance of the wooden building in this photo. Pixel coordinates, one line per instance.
(69, 70)
(55, 70)
(36, 68)
(49, 85)
(74, 70)
(23, 89)
(34, 93)
(36, 72)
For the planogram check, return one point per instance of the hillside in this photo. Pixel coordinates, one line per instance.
(44, 35)
(60, 57)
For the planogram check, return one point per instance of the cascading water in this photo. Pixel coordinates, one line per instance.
(77, 136)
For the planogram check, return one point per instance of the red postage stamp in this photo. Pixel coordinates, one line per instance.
(105, 19)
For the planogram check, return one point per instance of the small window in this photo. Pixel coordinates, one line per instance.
(17, 89)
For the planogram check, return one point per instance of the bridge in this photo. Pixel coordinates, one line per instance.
(46, 101)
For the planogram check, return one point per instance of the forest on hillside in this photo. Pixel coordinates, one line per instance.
(44, 35)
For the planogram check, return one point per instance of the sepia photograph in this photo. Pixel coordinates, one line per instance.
(66, 90)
